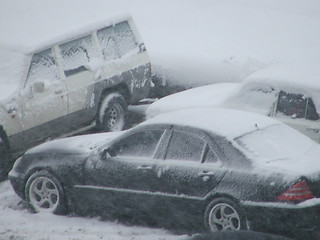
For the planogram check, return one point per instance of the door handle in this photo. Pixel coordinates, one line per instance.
(144, 167)
(58, 91)
(205, 173)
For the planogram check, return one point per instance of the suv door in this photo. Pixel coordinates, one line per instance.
(76, 56)
(299, 112)
(43, 99)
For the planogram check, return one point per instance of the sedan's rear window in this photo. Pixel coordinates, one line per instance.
(274, 142)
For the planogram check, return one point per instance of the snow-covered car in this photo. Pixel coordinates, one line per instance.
(82, 78)
(287, 92)
(201, 168)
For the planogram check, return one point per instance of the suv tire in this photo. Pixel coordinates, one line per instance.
(112, 113)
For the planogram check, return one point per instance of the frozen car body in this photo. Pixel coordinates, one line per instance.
(226, 155)
(65, 80)
(289, 93)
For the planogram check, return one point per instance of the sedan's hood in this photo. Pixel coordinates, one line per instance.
(214, 95)
(78, 144)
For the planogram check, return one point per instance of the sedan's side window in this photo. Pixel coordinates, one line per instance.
(43, 67)
(185, 146)
(141, 144)
(76, 54)
(296, 106)
(209, 156)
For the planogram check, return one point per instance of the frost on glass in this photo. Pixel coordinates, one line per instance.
(185, 146)
(116, 41)
(76, 54)
(142, 144)
(274, 142)
(296, 106)
(210, 156)
(43, 67)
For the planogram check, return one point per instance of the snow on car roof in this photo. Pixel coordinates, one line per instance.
(19, 42)
(291, 78)
(39, 35)
(225, 122)
(288, 77)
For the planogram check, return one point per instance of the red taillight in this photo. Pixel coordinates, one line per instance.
(298, 192)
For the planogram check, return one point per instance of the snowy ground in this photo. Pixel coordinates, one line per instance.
(17, 223)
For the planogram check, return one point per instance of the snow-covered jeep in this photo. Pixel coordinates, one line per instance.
(75, 80)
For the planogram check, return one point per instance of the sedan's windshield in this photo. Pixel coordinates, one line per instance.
(274, 142)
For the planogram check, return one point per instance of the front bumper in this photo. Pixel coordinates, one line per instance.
(17, 181)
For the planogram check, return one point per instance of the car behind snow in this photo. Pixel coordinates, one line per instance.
(207, 168)
(287, 92)
(85, 77)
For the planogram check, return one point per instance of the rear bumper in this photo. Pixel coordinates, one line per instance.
(284, 217)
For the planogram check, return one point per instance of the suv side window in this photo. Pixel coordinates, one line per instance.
(116, 41)
(43, 67)
(141, 144)
(296, 106)
(76, 54)
(185, 146)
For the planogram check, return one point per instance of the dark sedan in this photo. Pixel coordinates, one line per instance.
(204, 168)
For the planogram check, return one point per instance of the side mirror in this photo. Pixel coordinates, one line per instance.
(106, 154)
(38, 87)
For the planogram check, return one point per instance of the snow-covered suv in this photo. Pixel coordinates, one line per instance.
(72, 81)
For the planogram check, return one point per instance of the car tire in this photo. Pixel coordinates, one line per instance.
(44, 193)
(4, 158)
(224, 214)
(112, 113)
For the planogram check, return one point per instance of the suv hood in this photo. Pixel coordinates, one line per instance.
(75, 145)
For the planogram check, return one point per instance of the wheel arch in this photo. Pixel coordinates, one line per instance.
(121, 88)
(228, 196)
(214, 196)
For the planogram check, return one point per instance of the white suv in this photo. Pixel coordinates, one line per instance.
(86, 79)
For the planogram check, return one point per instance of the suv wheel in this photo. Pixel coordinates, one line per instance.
(112, 113)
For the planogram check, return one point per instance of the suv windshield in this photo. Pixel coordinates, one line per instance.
(273, 142)
(11, 71)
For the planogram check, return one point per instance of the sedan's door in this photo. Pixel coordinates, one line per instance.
(191, 169)
(127, 174)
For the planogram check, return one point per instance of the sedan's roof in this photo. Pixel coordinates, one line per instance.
(224, 122)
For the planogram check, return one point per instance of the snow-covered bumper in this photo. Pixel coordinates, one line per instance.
(17, 180)
(279, 216)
